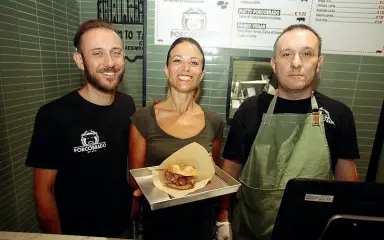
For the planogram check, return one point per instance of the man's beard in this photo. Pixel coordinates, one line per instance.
(97, 83)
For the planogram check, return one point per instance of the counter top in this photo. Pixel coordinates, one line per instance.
(41, 236)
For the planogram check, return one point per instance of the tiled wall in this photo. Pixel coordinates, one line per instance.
(35, 68)
(132, 83)
(358, 81)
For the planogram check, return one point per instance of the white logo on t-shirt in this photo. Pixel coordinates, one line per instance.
(327, 116)
(90, 140)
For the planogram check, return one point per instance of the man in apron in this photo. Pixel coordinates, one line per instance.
(297, 132)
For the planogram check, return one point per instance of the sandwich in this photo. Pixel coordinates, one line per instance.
(180, 176)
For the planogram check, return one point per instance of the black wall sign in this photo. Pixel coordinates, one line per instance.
(121, 11)
(126, 12)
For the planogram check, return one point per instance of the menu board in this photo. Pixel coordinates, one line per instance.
(346, 26)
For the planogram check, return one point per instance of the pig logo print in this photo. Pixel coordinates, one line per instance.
(300, 19)
(89, 138)
(194, 20)
(326, 116)
(90, 141)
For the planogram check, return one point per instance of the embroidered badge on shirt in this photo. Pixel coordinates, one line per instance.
(327, 116)
(91, 142)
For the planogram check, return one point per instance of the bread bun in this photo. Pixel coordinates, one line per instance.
(185, 187)
(183, 169)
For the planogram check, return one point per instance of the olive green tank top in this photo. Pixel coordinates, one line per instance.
(161, 145)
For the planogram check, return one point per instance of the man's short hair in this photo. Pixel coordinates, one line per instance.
(294, 27)
(89, 25)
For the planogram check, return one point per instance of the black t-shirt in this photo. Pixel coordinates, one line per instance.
(339, 124)
(88, 145)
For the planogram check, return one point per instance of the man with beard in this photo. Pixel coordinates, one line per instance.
(80, 143)
(295, 133)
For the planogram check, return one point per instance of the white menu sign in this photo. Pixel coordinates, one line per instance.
(346, 26)
(256, 24)
(350, 26)
(204, 20)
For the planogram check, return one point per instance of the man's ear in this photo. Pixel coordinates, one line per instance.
(166, 71)
(320, 62)
(273, 64)
(78, 58)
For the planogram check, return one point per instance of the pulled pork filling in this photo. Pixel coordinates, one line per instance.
(177, 179)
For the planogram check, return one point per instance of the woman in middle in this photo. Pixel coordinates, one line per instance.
(163, 128)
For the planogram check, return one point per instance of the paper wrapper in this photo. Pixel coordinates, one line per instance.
(193, 154)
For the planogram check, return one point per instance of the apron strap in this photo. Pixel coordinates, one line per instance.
(271, 107)
(314, 102)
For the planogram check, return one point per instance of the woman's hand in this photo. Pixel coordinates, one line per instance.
(137, 193)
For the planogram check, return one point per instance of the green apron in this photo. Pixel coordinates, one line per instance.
(286, 146)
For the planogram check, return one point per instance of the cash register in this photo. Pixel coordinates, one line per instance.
(330, 210)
